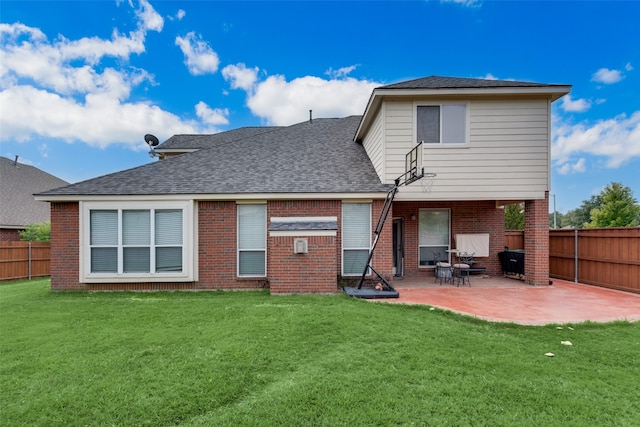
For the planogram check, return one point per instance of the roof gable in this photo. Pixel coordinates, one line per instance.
(438, 86)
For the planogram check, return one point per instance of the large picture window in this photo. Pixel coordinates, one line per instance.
(252, 240)
(136, 241)
(433, 239)
(441, 124)
(356, 237)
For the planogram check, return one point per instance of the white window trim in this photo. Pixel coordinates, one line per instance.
(448, 255)
(360, 248)
(441, 144)
(238, 250)
(189, 261)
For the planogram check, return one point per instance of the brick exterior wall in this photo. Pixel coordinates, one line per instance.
(313, 272)
(65, 241)
(320, 270)
(466, 217)
(536, 241)
(317, 271)
(9, 235)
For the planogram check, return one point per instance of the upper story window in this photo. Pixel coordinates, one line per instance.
(441, 124)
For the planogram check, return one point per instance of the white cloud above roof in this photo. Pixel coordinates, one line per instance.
(240, 77)
(280, 102)
(61, 88)
(575, 105)
(198, 55)
(217, 116)
(607, 76)
(616, 140)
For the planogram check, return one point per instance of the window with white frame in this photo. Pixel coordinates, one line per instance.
(441, 124)
(433, 239)
(252, 240)
(356, 237)
(136, 241)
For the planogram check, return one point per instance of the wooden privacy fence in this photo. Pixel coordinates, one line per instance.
(514, 239)
(607, 257)
(24, 260)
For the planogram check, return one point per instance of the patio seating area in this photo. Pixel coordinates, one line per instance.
(506, 299)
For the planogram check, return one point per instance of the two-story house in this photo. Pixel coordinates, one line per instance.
(294, 208)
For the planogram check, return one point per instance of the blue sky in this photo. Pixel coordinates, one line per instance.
(83, 81)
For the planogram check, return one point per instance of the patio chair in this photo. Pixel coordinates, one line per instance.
(442, 269)
(461, 268)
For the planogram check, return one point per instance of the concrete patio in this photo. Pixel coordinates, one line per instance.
(501, 299)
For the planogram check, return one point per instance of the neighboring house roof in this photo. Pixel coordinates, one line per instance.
(455, 86)
(199, 142)
(317, 156)
(18, 183)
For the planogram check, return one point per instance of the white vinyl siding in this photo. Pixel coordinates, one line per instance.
(374, 144)
(507, 155)
(356, 237)
(136, 241)
(252, 240)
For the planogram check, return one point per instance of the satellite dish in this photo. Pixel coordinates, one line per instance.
(151, 140)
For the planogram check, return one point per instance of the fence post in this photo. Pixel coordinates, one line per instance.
(29, 261)
(575, 251)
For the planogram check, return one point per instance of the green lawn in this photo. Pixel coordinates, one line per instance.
(248, 358)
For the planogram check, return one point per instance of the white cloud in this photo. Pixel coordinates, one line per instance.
(617, 140)
(575, 105)
(61, 89)
(178, 16)
(149, 19)
(240, 77)
(628, 67)
(468, 3)
(198, 55)
(568, 167)
(281, 102)
(99, 121)
(218, 116)
(340, 72)
(607, 76)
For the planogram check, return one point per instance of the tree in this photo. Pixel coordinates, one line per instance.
(514, 216)
(558, 220)
(578, 217)
(38, 232)
(619, 208)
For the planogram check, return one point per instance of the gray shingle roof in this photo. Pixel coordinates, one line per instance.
(309, 157)
(438, 82)
(18, 183)
(198, 142)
